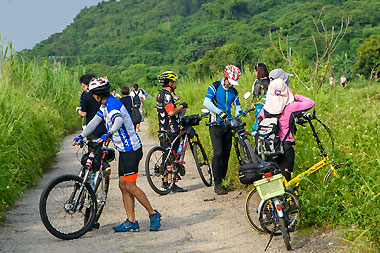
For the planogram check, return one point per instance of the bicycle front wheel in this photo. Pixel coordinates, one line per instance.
(156, 171)
(101, 192)
(63, 204)
(246, 152)
(202, 163)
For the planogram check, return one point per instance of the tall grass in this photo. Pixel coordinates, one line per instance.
(349, 202)
(36, 101)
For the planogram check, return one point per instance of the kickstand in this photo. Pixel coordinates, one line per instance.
(245, 186)
(270, 239)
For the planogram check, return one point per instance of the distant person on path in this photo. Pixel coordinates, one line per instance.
(89, 107)
(220, 97)
(138, 97)
(343, 80)
(115, 94)
(168, 117)
(283, 104)
(126, 100)
(331, 80)
(128, 143)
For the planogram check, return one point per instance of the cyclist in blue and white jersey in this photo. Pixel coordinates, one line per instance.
(220, 97)
(122, 132)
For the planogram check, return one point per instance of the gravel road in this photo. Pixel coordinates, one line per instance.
(195, 221)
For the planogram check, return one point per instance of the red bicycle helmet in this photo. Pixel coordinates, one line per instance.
(232, 73)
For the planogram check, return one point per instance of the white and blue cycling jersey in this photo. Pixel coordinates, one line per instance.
(222, 99)
(118, 121)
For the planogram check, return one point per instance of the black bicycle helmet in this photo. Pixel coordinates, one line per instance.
(99, 86)
(167, 76)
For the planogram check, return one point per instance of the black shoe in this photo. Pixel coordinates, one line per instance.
(218, 189)
(229, 188)
(176, 188)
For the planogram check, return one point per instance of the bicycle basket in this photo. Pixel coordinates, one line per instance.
(270, 187)
(192, 120)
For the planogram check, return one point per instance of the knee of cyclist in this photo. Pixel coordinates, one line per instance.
(218, 154)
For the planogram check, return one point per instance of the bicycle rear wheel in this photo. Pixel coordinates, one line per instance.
(291, 208)
(63, 204)
(202, 163)
(252, 205)
(156, 170)
(285, 232)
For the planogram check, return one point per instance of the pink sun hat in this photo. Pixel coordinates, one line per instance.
(278, 96)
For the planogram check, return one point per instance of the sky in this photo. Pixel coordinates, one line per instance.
(27, 22)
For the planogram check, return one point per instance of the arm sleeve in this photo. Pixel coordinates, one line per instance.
(210, 105)
(118, 122)
(91, 126)
(237, 109)
(304, 102)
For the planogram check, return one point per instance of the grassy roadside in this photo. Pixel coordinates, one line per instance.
(349, 202)
(35, 99)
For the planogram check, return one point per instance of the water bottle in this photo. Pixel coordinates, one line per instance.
(180, 148)
(93, 180)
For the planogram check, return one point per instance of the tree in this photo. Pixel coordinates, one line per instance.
(322, 62)
(368, 60)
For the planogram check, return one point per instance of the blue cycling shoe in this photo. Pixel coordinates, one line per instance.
(127, 226)
(155, 221)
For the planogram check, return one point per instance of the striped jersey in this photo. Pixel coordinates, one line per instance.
(125, 138)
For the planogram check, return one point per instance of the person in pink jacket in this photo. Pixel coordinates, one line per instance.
(287, 107)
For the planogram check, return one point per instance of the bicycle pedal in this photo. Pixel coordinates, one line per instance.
(96, 225)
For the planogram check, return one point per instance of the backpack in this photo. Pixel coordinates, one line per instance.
(136, 99)
(267, 141)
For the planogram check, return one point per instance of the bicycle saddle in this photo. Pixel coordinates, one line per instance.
(267, 166)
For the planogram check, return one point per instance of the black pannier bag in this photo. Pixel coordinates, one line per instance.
(249, 173)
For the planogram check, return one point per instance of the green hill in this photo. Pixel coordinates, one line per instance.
(134, 40)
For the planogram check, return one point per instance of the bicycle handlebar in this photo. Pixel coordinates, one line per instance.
(220, 122)
(83, 142)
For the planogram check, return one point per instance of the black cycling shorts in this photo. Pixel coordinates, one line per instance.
(129, 164)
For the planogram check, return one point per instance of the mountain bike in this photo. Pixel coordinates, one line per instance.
(254, 201)
(71, 205)
(159, 158)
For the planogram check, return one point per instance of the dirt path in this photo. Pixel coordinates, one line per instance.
(189, 224)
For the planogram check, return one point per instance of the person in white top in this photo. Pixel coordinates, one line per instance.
(115, 94)
(138, 98)
(343, 80)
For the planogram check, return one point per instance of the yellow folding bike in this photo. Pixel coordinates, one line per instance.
(254, 203)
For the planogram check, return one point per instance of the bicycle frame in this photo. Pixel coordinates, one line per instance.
(317, 166)
(180, 157)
